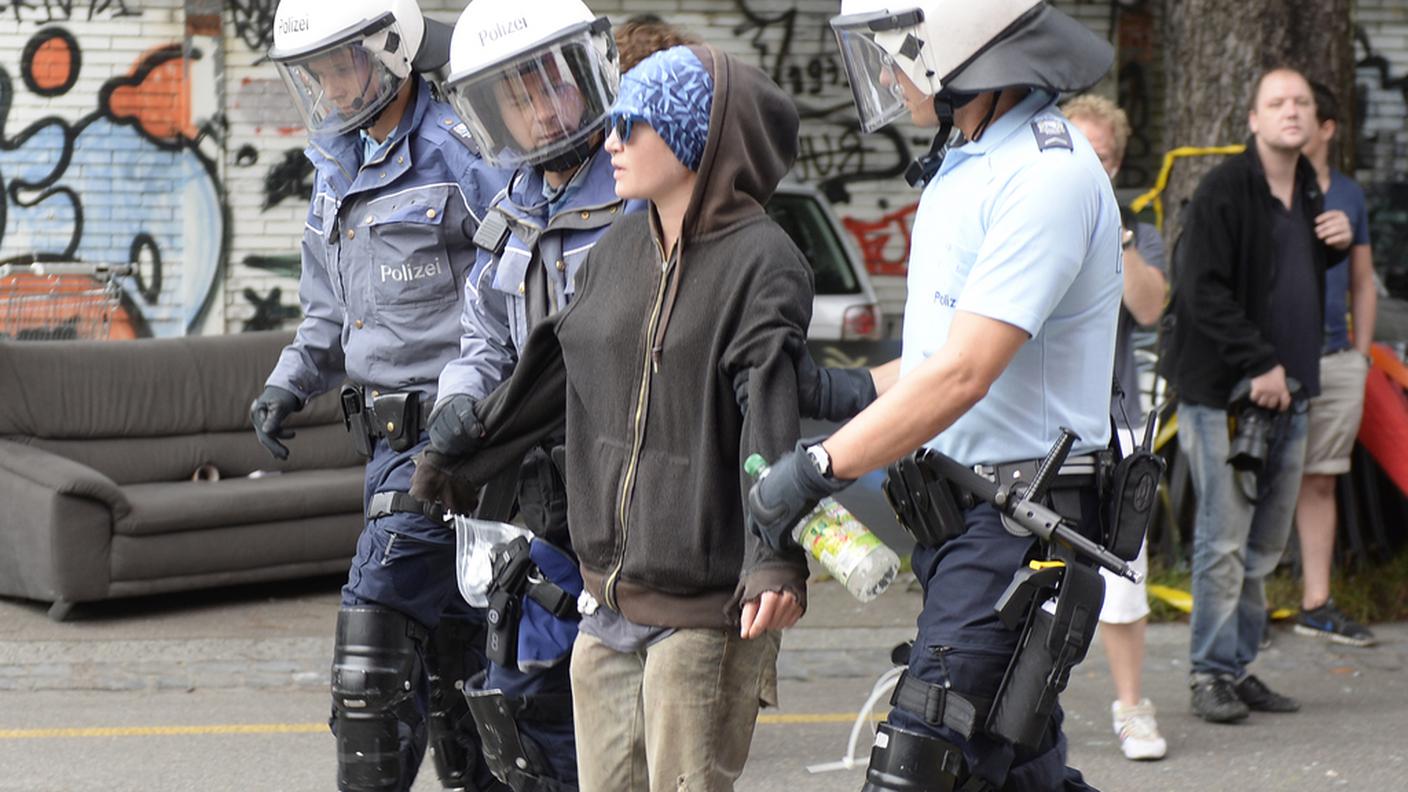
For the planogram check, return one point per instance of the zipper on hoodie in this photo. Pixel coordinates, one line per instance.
(638, 434)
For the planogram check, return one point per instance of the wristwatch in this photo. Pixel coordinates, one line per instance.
(821, 459)
(1126, 238)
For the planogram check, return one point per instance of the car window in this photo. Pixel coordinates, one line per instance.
(803, 220)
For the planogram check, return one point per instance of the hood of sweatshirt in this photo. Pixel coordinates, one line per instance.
(752, 144)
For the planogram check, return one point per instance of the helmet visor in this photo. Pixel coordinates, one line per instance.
(343, 86)
(873, 70)
(536, 108)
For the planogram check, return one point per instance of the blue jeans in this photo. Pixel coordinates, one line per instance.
(1236, 543)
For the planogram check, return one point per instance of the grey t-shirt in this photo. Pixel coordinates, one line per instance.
(1151, 246)
(618, 632)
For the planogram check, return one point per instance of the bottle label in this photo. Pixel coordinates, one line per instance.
(836, 539)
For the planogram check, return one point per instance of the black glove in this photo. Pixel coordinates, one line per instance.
(267, 413)
(454, 429)
(434, 482)
(828, 394)
(786, 494)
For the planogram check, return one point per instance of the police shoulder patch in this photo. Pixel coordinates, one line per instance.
(1052, 133)
(460, 131)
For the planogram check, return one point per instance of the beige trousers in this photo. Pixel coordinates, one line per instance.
(678, 715)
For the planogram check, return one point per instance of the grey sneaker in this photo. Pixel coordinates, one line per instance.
(1330, 623)
(1215, 700)
(1257, 696)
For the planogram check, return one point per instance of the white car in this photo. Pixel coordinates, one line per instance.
(845, 308)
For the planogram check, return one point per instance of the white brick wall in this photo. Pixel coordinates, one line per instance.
(225, 214)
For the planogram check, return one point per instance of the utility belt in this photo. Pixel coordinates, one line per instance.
(1055, 600)
(369, 415)
(517, 576)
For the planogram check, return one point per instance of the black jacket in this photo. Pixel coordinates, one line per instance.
(1215, 329)
(643, 364)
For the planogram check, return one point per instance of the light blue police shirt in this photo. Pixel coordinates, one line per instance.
(1021, 226)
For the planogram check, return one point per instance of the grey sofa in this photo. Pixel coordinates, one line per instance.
(99, 443)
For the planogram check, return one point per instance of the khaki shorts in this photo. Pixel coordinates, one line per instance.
(1335, 413)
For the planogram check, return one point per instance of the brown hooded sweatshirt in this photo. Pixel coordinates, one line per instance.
(643, 364)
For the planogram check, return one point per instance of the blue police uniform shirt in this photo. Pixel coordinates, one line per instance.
(1347, 196)
(1021, 226)
(385, 244)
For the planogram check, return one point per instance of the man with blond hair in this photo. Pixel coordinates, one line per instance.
(1125, 613)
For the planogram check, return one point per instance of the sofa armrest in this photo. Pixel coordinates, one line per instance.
(55, 526)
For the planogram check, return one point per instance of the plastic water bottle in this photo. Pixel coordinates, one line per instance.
(846, 548)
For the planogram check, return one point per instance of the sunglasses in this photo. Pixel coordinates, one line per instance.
(621, 124)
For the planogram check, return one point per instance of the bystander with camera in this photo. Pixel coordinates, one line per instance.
(1248, 295)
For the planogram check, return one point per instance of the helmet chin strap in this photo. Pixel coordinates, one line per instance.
(923, 169)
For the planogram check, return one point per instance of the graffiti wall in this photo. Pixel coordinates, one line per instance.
(156, 132)
(107, 155)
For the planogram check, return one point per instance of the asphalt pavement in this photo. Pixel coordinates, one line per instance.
(227, 690)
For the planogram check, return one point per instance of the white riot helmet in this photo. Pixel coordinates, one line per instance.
(533, 81)
(345, 60)
(952, 49)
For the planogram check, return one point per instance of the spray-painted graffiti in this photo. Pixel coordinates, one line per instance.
(269, 311)
(884, 243)
(46, 11)
(834, 154)
(125, 183)
(254, 22)
(291, 177)
(773, 39)
(1378, 146)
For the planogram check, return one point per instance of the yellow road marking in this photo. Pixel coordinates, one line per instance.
(321, 728)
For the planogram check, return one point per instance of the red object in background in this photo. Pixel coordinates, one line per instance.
(860, 323)
(1384, 429)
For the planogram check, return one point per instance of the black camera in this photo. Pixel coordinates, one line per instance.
(1255, 427)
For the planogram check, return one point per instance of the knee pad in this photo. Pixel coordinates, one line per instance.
(451, 661)
(514, 760)
(374, 670)
(906, 761)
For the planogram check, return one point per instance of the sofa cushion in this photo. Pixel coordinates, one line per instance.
(160, 508)
(139, 460)
(198, 558)
(152, 387)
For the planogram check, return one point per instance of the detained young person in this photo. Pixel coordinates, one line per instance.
(678, 641)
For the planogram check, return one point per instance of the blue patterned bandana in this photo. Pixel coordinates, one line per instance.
(673, 93)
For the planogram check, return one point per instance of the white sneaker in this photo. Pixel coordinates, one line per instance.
(1138, 731)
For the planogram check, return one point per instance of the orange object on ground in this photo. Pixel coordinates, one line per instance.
(1384, 428)
(1385, 358)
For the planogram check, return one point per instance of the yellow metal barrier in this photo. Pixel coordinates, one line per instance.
(1155, 195)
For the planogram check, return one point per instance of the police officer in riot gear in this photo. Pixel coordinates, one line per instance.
(398, 195)
(533, 83)
(1009, 337)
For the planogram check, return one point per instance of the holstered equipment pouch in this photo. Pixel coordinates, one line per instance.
(355, 419)
(511, 564)
(398, 418)
(1133, 494)
(1052, 643)
(517, 576)
(924, 502)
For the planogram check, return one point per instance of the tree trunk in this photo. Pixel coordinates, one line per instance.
(1214, 51)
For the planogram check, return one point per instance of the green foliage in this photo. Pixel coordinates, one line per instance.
(1375, 593)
